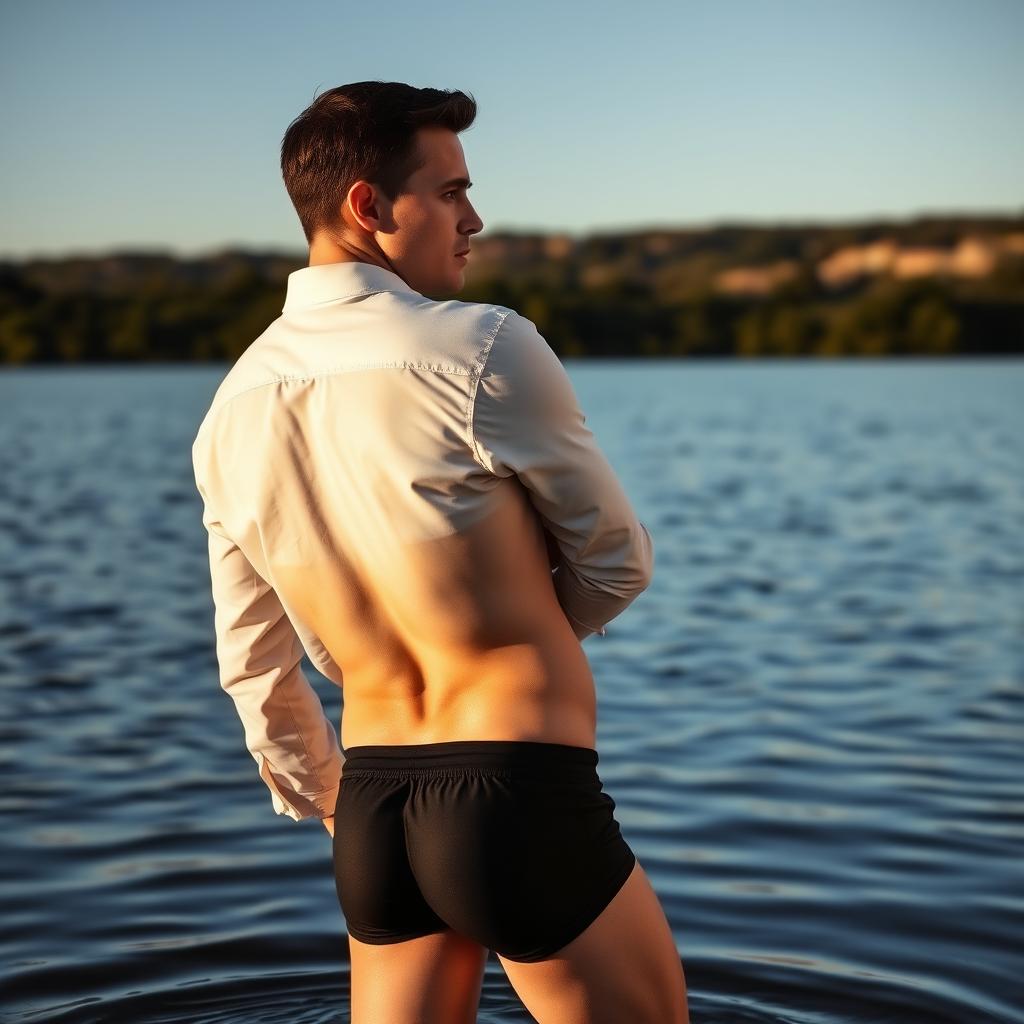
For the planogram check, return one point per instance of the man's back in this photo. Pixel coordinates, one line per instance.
(378, 471)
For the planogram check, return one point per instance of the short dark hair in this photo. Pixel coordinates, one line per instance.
(361, 131)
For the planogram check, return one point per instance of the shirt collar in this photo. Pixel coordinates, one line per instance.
(326, 282)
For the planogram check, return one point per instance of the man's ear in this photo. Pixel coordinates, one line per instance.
(361, 205)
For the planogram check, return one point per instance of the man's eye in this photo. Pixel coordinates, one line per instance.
(450, 193)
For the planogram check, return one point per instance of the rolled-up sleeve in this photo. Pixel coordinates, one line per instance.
(525, 419)
(259, 653)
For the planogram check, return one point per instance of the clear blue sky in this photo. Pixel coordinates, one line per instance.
(145, 124)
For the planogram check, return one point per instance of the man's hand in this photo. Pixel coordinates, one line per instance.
(329, 824)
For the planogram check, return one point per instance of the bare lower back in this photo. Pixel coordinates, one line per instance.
(460, 637)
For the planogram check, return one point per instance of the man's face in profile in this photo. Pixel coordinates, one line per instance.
(432, 219)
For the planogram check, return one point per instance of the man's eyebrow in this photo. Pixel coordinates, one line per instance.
(460, 182)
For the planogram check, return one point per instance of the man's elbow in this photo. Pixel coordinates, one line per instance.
(628, 567)
(649, 552)
(641, 561)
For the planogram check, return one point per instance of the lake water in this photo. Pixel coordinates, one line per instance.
(812, 723)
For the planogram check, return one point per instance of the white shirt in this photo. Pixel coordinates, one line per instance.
(368, 416)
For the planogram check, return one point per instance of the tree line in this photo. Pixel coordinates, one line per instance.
(614, 295)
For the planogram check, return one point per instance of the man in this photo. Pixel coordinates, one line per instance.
(403, 487)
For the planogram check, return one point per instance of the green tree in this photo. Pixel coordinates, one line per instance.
(537, 307)
(128, 340)
(934, 328)
(751, 332)
(789, 331)
(692, 330)
(17, 337)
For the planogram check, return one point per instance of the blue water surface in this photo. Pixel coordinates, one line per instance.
(812, 723)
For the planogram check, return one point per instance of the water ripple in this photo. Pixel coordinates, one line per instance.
(812, 723)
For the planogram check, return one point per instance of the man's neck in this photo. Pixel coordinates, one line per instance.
(326, 250)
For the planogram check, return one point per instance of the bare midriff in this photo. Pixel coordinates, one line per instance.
(459, 638)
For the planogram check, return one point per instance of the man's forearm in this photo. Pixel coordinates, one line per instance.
(555, 562)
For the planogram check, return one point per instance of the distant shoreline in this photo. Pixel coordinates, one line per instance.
(930, 287)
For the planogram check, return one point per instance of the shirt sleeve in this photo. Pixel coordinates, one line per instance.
(259, 654)
(526, 420)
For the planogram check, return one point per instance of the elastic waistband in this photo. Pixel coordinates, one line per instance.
(521, 754)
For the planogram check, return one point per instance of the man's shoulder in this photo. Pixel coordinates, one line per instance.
(479, 319)
(454, 332)
(473, 338)
(449, 335)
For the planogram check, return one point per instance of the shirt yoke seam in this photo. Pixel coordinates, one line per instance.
(473, 373)
(335, 371)
(373, 290)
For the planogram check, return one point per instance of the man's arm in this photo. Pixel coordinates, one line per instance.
(526, 420)
(259, 655)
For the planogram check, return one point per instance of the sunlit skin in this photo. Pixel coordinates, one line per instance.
(433, 648)
(419, 234)
(544, 675)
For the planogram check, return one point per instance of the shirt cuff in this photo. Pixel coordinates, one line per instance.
(297, 806)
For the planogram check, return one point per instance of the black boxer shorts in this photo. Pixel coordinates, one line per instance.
(511, 843)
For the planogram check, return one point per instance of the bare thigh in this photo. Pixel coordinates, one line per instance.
(623, 967)
(435, 979)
